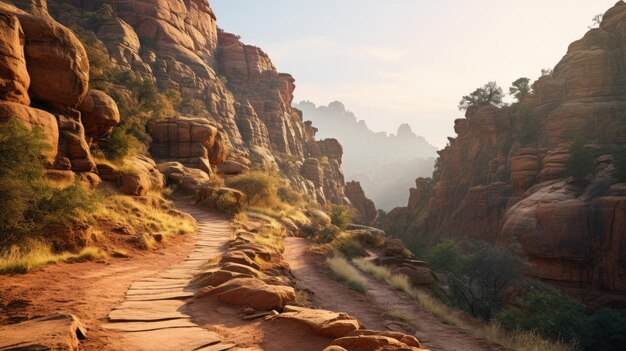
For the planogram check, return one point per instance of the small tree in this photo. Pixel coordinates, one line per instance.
(488, 94)
(481, 283)
(596, 21)
(520, 88)
(580, 163)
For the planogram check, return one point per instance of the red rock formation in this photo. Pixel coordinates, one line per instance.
(502, 176)
(365, 206)
(235, 86)
(44, 63)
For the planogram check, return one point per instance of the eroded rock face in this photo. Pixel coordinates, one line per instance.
(365, 206)
(502, 177)
(44, 63)
(57, 62)
(14, 78)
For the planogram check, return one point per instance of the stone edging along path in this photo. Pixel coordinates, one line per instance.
(153, 316)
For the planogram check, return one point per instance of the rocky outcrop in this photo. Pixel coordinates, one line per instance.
(365, 206)
(58, 332)
(14, 77)
(502, 177)
(45, 65)
(231, 85)
(195, 142)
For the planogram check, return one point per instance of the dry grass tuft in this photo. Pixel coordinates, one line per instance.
(36, 255)
(345, 272)
(523, 340)
(519, 340)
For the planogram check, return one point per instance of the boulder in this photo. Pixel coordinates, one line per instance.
(99, 114)
(57, 332)
(14, 78)
(322, 322)
(142, 177)
(239, 257)
(418, 275)
(393, 247)
(189, 179)
(232, 168)
(406, 339)
(252, 292)
(372, 343)
(56, 60)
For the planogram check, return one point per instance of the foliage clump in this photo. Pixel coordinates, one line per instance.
(260, 188)
(486, 95)
(31, 206)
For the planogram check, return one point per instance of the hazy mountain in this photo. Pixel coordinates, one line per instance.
(385, 164)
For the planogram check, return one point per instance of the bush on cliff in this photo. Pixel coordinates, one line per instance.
(30, 205)
(260, 188)
(341, 216)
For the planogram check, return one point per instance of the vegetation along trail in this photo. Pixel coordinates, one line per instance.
(381, 300)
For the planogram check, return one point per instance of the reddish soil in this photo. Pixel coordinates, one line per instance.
(314, 276)
(89, 290)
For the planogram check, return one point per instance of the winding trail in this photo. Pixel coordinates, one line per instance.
(330, 294)
(154, 315)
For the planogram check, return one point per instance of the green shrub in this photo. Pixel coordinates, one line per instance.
(480, 285)
(222, 200)
(340, 216)
(260, 188)
(30, 204)
(288, 195)
(446, 257)
(348, 246)
(580, 163)
(548, 312)
(122, 145)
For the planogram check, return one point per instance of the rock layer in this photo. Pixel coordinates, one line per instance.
(503, 178)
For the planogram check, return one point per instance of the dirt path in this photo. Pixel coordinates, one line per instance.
(91, 290)
(330, 294)
(154, 312)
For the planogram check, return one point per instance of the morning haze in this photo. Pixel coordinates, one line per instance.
(407, 61)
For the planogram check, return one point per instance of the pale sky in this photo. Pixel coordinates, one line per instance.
(407, 61)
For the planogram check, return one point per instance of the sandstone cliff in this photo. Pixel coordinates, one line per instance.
(502, 176)
(234, 105)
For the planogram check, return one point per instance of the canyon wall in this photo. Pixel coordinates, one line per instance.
(235, 106)
(502, 177)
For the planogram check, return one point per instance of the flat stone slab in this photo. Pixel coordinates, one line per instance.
(156, 287)
(58, 332)
(218, 347)
(137, 311)
(137, 292)
(148, 326)
(174, 339)
(162, 296)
